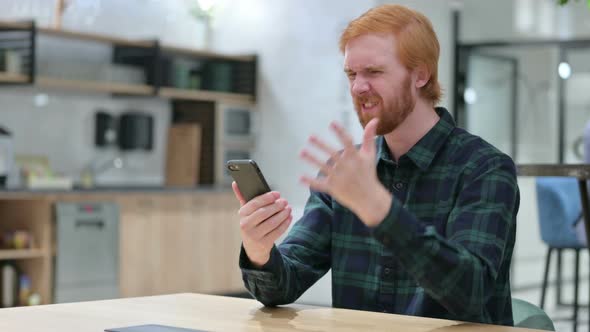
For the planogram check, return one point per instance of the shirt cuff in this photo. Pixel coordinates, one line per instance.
(272, 267)
(399, 227)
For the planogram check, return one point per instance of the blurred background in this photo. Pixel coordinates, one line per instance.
(118, 116)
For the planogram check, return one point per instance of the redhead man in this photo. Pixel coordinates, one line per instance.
(419, 219)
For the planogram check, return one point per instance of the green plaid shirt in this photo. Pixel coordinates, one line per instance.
(443, 250)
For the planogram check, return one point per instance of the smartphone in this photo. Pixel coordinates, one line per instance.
(249, 178)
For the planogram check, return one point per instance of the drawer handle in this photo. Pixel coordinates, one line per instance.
(90, 223)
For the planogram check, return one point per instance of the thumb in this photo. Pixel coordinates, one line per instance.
(369, 134)
(238, 193)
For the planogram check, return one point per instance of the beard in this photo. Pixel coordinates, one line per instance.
(390, 116)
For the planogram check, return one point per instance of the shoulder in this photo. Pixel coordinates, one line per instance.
(476, 155)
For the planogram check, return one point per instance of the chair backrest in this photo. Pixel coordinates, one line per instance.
(528, 315)
(559, 207)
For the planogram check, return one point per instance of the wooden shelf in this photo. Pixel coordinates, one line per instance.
(95, 37)
(13, 78)
(206, 95)
(149, 61)
(15, 25)
(207, 54)
(9, 254)
(95, 86)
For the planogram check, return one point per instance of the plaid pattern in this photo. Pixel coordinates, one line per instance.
(443, 250)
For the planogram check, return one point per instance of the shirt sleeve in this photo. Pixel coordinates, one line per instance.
(299, 261)
(459, 269)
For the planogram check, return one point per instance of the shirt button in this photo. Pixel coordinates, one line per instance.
(387, 271)
(399, 185)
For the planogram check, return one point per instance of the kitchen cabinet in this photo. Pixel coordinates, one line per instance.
(170, 241)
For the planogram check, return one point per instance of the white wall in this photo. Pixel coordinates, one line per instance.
(301, 83)
(302, 87)
(67, 120)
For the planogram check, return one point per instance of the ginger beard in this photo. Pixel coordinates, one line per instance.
(390, 116)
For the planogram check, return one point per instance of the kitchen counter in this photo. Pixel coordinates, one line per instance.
(167, 236)
(100, 190)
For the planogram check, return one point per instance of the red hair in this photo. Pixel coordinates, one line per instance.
(417, 43)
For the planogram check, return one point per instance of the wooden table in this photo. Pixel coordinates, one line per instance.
(217, 313)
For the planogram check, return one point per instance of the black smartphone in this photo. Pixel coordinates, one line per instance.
(249, 178)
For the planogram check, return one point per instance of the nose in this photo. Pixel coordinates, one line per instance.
(359, 85)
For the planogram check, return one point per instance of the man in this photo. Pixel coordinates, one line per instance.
(419, 221)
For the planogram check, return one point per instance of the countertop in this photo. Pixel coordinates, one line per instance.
(10, 192)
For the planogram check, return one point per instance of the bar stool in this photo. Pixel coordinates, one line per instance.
(559, 208)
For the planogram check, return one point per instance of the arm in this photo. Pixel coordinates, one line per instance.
(298, 262)
(459, 269)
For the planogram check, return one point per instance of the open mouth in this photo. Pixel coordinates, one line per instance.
(369, 106)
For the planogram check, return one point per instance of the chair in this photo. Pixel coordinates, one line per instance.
(528, 315)
(560, 209)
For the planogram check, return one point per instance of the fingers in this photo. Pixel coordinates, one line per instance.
(258, 202)
(263, 213)
(368, 145)
(315, 141)
(317, 184)
(277, 232)
(323, 167)
(271, 223)
(238, 194)
(342, 135)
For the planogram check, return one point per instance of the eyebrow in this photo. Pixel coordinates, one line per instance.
(367, 68)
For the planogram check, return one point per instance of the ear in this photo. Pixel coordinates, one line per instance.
(422, 76)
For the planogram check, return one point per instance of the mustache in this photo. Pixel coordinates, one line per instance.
(367, 99)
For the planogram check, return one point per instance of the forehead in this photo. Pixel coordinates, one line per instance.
(370, 50)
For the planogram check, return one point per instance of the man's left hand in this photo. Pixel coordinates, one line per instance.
(350, 176)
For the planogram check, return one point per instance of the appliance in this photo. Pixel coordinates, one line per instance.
(87, 257)
(105, 129)
(135, 131)
(235, 137)
(6, 156)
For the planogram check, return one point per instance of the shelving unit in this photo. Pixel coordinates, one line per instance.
(13, 78)
(12, 254)
(95, 37)
(34, 216)
(175, 93)
(95, 86)
(170, 72)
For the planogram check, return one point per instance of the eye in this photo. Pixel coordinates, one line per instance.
(375, 71)
(351, 75)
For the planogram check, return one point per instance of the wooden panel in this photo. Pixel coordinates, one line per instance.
(94, 37)
(15, 25)
(203, 114)
(175, 244)
(21, 254)
(202, 95)
(139, 246)
(95, 86)
(183, 155)
(13, 78)
(207, 54)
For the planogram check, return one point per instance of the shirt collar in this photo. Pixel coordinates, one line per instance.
(423, 152)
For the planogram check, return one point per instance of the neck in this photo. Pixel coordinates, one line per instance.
(415, 126)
